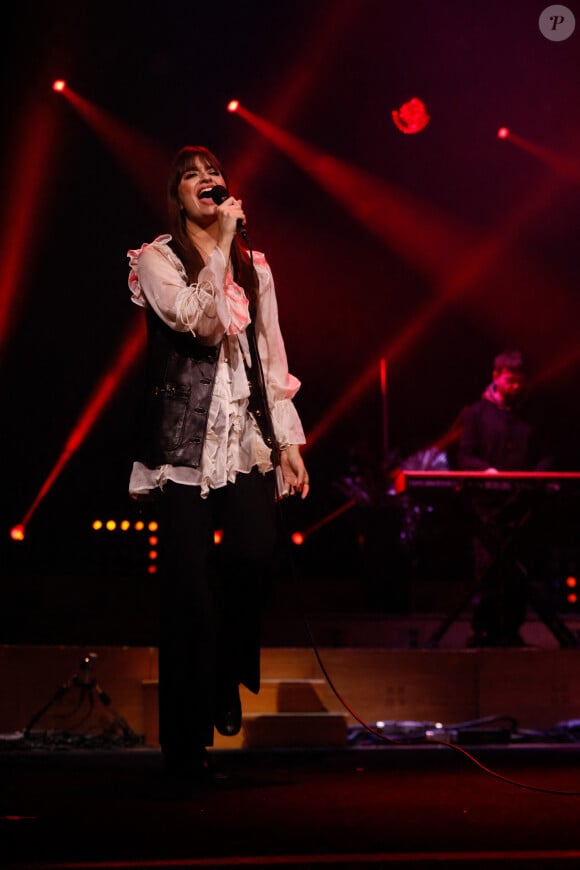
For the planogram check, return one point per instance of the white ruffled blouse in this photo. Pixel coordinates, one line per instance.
(215, 309)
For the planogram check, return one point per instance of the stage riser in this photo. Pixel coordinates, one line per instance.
(536, 687)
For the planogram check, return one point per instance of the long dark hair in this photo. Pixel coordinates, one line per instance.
(244, 272)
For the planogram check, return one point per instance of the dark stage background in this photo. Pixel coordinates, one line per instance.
(329, 73)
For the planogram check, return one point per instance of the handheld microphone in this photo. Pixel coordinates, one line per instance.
(219, 194)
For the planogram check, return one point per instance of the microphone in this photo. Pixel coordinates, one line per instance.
(219, 194)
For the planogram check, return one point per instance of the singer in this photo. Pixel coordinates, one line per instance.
(218, 443)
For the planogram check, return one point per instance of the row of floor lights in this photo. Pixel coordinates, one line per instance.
(151, 527)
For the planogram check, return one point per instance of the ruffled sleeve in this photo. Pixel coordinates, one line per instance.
(208, 309)
(280, 384)
(137, 294)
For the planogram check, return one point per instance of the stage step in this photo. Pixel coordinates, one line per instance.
(286, 712)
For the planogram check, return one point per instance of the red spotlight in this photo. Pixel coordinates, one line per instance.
(17, 533)
(298, 538)
(59, 85)
(503, 133)
(218, 536)
(233, 105)
(411, 117)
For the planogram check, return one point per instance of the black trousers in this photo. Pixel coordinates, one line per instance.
(501, 555)
(500, 604)
(211, 600)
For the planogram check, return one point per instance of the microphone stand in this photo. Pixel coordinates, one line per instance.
(258, 402)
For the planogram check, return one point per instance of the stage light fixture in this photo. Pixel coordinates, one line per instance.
(97, 525)
(111, 525)
(17, 533)
(139, 526)
(233, 105)
(59, 85)
(411, 117)
(571, 590)
(218, 536)
(298, 539)
(503, 133)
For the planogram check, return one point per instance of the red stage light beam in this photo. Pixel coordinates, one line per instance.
(477, 260)
(24, 201)
(141, 158)
(450, 256)
(318, 44)
(299, 537)
(127, 357)
(420, 234)
(144, 162)
(568, 167)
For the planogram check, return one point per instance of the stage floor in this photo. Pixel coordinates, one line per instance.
(395, 806)
(505, 792)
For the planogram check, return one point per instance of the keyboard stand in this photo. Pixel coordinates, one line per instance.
(545, 611)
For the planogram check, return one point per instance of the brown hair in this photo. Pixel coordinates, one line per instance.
(244, 272)
(510, 360)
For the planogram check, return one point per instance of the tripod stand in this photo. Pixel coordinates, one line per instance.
(88, 687)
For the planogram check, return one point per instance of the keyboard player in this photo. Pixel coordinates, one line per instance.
(496, 435)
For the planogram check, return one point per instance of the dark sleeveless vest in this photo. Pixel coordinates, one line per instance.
(180, 375)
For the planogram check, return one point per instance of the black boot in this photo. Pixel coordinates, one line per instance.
(228, 714)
